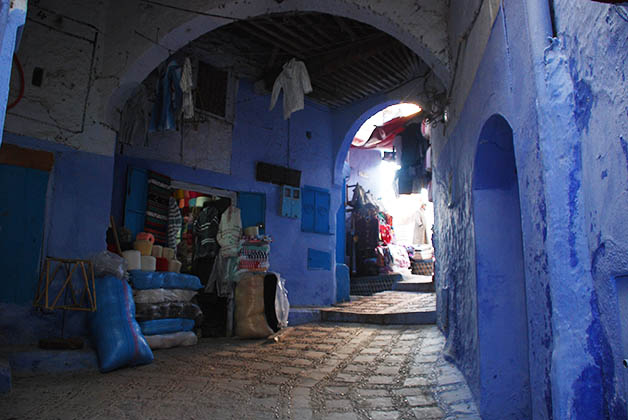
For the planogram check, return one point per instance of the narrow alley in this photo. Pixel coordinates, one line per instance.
(314, 209)
(314, 371)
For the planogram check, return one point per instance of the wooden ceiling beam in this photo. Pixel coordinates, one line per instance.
(344, 27)
(278, 38)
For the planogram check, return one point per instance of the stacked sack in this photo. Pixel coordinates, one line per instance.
(162, 295)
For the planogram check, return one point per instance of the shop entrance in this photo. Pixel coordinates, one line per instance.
(389, 213)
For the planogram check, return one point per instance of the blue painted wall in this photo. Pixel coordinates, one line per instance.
(596, 54)
(10, 21)
(76, 220)
(503, 85)
(262, 135)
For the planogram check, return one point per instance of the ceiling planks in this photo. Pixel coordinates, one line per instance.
(347, 60)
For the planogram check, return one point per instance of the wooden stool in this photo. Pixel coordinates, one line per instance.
(69, 267)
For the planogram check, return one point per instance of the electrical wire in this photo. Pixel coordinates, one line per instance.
(20, 71)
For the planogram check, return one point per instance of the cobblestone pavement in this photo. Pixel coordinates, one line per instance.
(315, 371)
(389, 303)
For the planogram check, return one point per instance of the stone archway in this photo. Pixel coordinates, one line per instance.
(502, 321)
(422, 28)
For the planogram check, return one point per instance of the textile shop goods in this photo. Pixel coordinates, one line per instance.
(164, 310)
(294, 80)
(117, 336)
(166, 326)
(157, 207)
(250, 319)
(166, 280)
(163, 295)
(133, 259)
(165, 307)
(166, 341)
(174, 222)
(226, 264)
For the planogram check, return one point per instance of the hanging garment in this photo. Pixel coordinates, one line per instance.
(226, 265)
(174, 223)
(295, 82)
(186, 86)
(420, 228)
(168, 100)
(428, 159)
(134, 119)
(205, 231)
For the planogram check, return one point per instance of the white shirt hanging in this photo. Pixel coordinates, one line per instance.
(295, 82)
(186, 85)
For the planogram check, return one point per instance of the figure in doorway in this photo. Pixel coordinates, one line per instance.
(420, 227)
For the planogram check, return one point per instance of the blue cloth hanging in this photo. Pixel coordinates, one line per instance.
(168, 101)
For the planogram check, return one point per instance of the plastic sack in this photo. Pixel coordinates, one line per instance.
(117, 336)
(249, 307)
(109, 264)
(163, 310)
(166, 341)
(163, 295)
(282, 305)
(164, 280)
(166, 326)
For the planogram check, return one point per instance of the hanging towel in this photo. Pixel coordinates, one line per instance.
(174, 223)
(168, 100)
(295, 82)
(186, 85)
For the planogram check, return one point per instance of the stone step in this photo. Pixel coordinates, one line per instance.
(401, 318)
(390, 307)
(414, 283)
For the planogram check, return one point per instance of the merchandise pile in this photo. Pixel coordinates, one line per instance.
(162, 295)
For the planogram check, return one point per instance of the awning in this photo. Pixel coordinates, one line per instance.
(384, 135)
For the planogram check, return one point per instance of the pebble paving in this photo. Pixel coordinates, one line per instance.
(314, 371)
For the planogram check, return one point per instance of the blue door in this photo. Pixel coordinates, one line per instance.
(21, 231)
(135, 202)
(253, 210)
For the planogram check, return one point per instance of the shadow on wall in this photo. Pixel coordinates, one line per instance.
(501, 296)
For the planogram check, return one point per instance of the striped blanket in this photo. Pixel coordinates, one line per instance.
(157, 207)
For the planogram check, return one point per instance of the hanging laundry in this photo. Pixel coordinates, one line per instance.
(295, 82)
(168, 100)
(186, 86)
(135, 117)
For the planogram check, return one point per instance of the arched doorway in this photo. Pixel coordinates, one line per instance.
(501, 295)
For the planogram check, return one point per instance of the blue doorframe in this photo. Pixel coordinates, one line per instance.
(22, 215)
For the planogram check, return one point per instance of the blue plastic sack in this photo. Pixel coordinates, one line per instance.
(117, 336)
(144, 280)
(166, 326)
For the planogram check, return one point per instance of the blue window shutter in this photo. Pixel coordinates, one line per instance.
(321, 219)
(308, 209)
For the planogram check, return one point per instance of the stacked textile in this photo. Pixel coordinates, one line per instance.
(164, 310)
